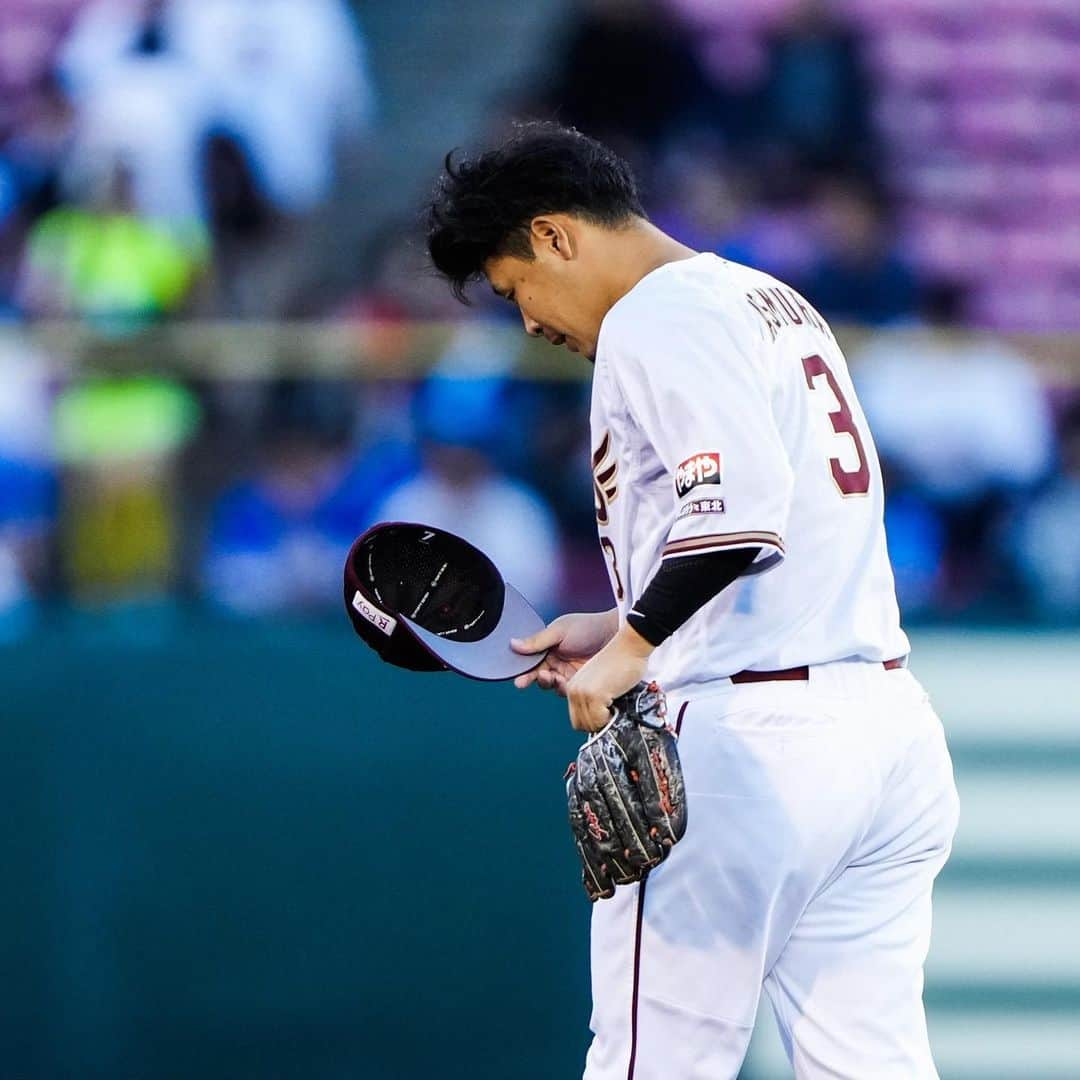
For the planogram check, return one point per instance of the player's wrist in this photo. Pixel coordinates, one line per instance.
(633, 643)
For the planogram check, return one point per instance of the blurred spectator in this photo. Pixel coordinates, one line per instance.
(398, 283)
(704, 199)
(964, 419)
(628, 72)
(463, 490)
(279, 537)
(253, 269)
(862, 276)
(30, 164)
(107, 33)
(33, 154)
(1045, 538)
(27, 482)
(25, 399)
(288, 77)
(152, 77)
(701, 202)
(98, 259)
(815, 98)
(171, 165)
(120, 531)
(916, 538)
(141, 100)
(27, 511)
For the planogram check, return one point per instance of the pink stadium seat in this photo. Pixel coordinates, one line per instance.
(1062, 181)
(911, 120)
(1041, 11)
(1039, 253)
(951, 246)
(912, 58)
(878, 15)
(1027, 305)
(1015, 58)
(1023, 121)
(979, 105)
(954, 183)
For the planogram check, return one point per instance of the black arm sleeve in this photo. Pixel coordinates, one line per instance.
(681, 587)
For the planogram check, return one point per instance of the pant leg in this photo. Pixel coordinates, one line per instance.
(778, 789)
(655, 1015)
(847, 987)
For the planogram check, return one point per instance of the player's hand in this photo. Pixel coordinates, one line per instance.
(617, 667)
(571, 641)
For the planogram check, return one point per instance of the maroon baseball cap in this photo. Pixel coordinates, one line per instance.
(426, 600)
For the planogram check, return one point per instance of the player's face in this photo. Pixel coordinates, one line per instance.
(556, 297)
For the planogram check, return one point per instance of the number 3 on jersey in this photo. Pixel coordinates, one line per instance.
(849, 481)
(608, 549)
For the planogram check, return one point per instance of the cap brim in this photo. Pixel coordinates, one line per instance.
(490, 659)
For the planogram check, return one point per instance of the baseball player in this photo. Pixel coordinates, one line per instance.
(739, 508)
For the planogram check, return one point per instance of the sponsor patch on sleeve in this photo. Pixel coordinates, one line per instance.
(379, 619)
(699, 469)
(702, 506)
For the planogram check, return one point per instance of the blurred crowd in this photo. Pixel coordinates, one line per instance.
(911, 165)
(171, 157)
(183, 157)
(857, 148)
(126, 492)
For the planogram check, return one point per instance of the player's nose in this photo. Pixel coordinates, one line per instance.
(532, 327)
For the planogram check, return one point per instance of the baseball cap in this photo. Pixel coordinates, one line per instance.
(427, 600)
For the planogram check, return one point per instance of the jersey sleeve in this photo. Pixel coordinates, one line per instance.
(695, 380)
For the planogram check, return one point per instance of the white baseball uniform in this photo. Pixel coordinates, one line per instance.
(820, 808)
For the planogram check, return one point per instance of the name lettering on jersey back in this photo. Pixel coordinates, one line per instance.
(699, 469)
(784, 307)
(605, 473)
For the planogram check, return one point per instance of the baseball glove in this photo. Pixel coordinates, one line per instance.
(626, 795)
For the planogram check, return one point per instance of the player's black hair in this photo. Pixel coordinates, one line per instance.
(482, 206)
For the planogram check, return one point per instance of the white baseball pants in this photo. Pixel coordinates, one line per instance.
(820, 813)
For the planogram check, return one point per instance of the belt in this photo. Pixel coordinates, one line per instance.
(799, 674)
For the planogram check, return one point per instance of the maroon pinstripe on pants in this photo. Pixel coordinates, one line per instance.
(678, 721)
(637, 973)
(637, 944)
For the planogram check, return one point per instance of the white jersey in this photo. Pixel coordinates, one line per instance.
(723, 416)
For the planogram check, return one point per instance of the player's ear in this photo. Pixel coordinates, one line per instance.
(552, 236)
